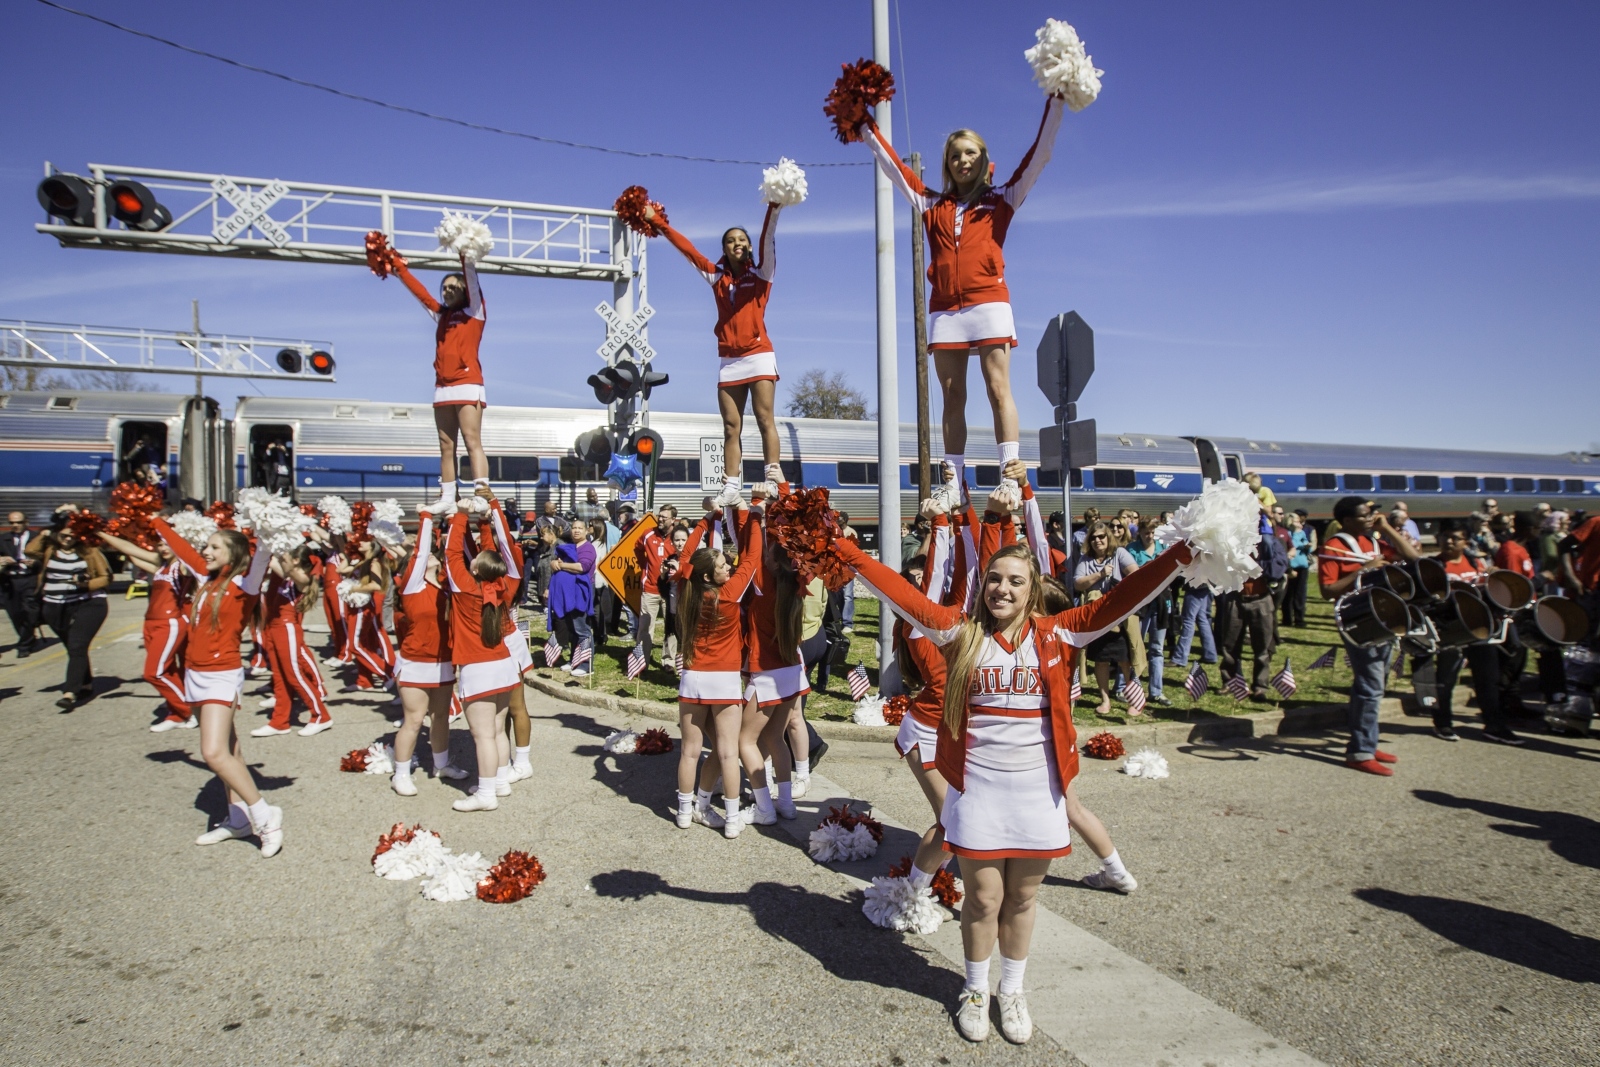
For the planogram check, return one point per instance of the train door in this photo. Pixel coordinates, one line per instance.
(142, 447)
(272, 457)
(1210, 461)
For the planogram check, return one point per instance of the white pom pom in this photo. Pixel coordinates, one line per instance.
(388, 510)
(380, 758)
(386, 532)
(622, 742)
(895, 904)
(1222, 527)
(421, 856)
(1061, 67)
(784, 185)
(1145, 763)
(194, 527)
(347, 594)
(457, 877)
(831, 843)
(869, 712)
(337, 509)
(464, 235)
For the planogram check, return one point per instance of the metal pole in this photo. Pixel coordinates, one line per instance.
(194, 308)
(919, 322)
(888, 378)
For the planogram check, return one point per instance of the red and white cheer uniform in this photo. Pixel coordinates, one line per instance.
(713, 664)
(294, 668)
(457, 374)
(166, 631)
(481, 671)
(776, 673)
(422, 622)
(743, 345)
(214, 671)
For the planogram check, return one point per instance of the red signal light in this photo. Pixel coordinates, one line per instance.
(128, 200)
(321, 362)
(646, 447)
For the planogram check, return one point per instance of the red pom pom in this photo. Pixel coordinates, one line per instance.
(1104, 745)
(901, 869)
(861, 85)
(805, 527)
(944, 888)
(355, 760)
(630, 209)
(87, 525)
(654, 742)
(849, 819)
(398, 834)
(380, 257)
(511, 879)
(360, 516)
(222, 514)
(895, 708)
(132, 506)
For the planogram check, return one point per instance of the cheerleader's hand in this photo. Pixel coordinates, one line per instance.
(649, 213)
(1016, 470)
(999, 502)
(934, 507)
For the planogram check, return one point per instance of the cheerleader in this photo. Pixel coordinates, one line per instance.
(1007, 748)
(423, 669)
(741, 285)
(777, 680)
(480, 593)
(289, 593)
(711, 692)
(970, 309)
(362, 591)
(230, 582)
(333, 609)
(165, 629)
(458, 393)
(520, 726)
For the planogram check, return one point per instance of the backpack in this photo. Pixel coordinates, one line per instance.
(1272, 556)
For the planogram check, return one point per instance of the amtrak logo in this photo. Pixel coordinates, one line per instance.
(1163, 480)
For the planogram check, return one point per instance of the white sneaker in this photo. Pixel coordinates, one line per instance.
(268, 730)
(685, 817)
(1104, 879)
(403, 785)
(708, 816)
(311, 729)
(566, 668)
(731, 827)
(730, 497)
(332, 661)
(799, 785)
(972, 1014)
(757, 817)
(784, 808)
(450, 771)
(225, 832)
(482, 800)
(521, 771)
(502, 788)
(166, 724)
(442, 508)
(271, 833)
(580, 672)
(1016, 1025)
(267, 703)
(255, 672)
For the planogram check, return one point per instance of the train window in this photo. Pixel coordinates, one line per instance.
(1465, 483)
(1075, 480)
(755, 471)
(1047, 479)
(1549, 485)
(1494, 485)
(1572, 485)
(1235, 471)
(1357, 482)
(1322, 481)
(514, 468)
(858, 473)
(1425, 483)
(62, 403)
(1113, 478)
(685, 471)
(272, 457)
(1392, 483)
(1522, 485)
(988, 476)
(574, 469)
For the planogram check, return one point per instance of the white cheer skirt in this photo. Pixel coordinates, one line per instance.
(742, 370)
(212, 687)
(479, 681)
(711, 687)
(971, 326)
(1013, 806)
(423, 674)
(774, 687)
(914, 735)
(517, 642)
(446, 395)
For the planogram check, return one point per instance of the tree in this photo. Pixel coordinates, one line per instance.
(819, 395)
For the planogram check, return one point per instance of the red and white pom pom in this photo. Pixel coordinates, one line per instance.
(1146, 763)
(398, 833)
(513, 878)
(456, 877)
(895, 708)
(861, 85)
(845, 836)
(464, 235)
(1103, 745)
(132, 507)
(630, 209)
(622, 743)
(221, 513)
(805, 526)
(656, 742)
(869, 712)
(1222, 527)
(418, 856)
(354, 761)
(946, 887)
(1061, 66)
(349, 597)
(784, 185)
(895, 904)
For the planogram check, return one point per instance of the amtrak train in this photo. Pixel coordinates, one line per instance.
(74, 446)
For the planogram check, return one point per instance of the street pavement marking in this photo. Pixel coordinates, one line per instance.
(59, 653)
(1094, 1000)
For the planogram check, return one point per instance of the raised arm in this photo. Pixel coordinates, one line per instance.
(469, 270)
(455, 560)
(417, 573)
(767, 265)
(900, 176)
(1033, 524)
(251, 580)
(938, 624)
(1032, 165)
(936, 568)
(183, 550)
(418, 290)
(502, 540)
(1081, 625)
(142, 558)
(707, 269)
(751, 541)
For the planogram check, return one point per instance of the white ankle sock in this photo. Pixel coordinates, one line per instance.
(441, 760)
(763, 799)
(486, 786)
(802, 768)
(685, 801)
(978, 975)
(730, 807)
(258, 811)
(1112, 864)
(702, 799)
(732, 483)
(521, 757)
(402, 769)
(447, 490)
(1009, 450)
(238, 815)
(503, 775)
(959, 462)
(1011, 974)
(920, 878)
(786, 792)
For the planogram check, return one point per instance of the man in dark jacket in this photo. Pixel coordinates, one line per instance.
(18, 581)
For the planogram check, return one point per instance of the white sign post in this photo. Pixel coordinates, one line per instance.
(710, 464)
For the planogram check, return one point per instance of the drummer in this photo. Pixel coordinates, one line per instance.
(1346, 556)
(1433, 678)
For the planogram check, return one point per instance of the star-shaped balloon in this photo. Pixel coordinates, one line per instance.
(624, 470)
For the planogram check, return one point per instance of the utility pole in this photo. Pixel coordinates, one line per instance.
(199, 379)
(888, 377)
(919, 322)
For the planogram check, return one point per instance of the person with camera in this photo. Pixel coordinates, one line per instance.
(71, 585)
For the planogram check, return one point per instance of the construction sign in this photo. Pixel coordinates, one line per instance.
(621, 568)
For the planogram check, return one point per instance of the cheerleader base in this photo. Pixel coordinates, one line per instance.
(453, 395)
(974, 326)
(1008, 812)
(917, 735)
(480, 681)
(716, 688)
(423, 674)
(517, 642)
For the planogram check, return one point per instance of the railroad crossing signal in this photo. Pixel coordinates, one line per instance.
(250, 209)
(625, 332)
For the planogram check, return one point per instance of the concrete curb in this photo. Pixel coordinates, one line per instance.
(1156, 734)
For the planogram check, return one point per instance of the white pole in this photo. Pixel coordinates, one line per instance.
(888, 377)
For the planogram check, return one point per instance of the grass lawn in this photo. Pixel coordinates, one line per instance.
(1300, 645)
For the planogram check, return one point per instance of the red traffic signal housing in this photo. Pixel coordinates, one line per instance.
(321, 363)
(646, 444)
(69, 198)
(136, 207)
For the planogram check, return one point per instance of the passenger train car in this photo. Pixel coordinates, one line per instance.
(61, 446)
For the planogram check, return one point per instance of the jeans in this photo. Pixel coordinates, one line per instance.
(1196, 612)
(572, 630)
(76, 624)
(1371, 669)
(849, 612)
(644, 630)
(1433, 679)
(1294, 599)
(1155, 640)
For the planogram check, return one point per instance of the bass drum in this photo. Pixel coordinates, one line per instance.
(1392, 578)
(1371, 617)
(1461, 619)
(1551, 624)
(1431, 580)
(1507, 590)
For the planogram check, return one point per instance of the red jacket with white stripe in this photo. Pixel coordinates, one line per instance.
(741, 302)
(421, 618)
(457, 333)
(216, 647)
(467, 598)
(965, 262)
(719, 640)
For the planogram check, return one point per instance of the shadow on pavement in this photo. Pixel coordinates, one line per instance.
(1575, 838)
(213, 798)
(1506, 935)
(831, 931)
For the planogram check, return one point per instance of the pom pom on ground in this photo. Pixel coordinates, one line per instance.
(1146, 763)
(419, 856)
(1103, 745)
(1061, 66)
(513, 878)
(380, 759)
(630, 209)
(1222, 528)
(654, 742)
(805, 526)
(901, 869)
(861, 85)
(193, 527)
(869, 712)
(398, 833)
(895, 708)
(622, 742)
(831, 842)
(354, 761)
(896, 904)
(784, 185)
(456, 878)
(849, 820)
(464, 235)
(336, 510)
(946, 888)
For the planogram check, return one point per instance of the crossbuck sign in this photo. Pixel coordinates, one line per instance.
(250, 209)
(625, 332)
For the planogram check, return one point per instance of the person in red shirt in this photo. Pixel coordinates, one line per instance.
(333, 609)
(362, 591)
(1580, 553)
(288, 594)
(1517, 553)
(653, 549)
(166, 630)
(1433, 678)
(423, 668)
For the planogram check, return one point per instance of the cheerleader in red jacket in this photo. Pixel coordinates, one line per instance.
(288, 594)
(970, 309)
(494, 530)
(711, 689)
(1007, 746)
(741, 285)
(333, 610)
(230, 583)
(480, 593)
(423, 668)
(166, 630)
(362, 590)
(774, 615)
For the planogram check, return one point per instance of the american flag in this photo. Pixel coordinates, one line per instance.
(1236, 685)
(1197, 683)
(860, 686)
(1133, 692)
(582, 654)
(1324, 661)
(1283, 681)
(1077, 688)
(552, 651)
(677, 662)
(1399, 664)
(636, 660)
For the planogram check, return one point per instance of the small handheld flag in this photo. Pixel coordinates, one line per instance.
(677, 662)
(1197, 683)
(1398, 669)
(552, 651)
(1283, 681)
(1324, 661)
(1134, 692)
(582, 654)
(1237, 686)
(860, 685)
(1077, 689)
(636, 660)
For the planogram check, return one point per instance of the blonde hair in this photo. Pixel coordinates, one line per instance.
(961, 655)
(982, 184)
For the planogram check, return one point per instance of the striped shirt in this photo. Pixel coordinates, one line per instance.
(64, 576)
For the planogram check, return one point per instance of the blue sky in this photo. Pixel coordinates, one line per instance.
(1359, 222)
